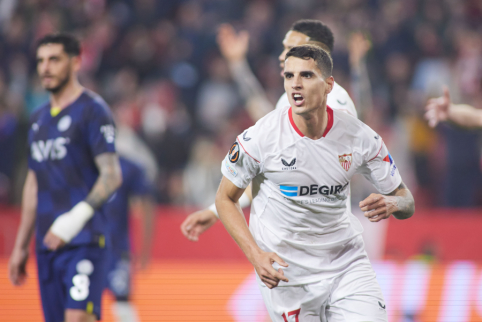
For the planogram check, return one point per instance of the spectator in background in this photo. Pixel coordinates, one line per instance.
(441, 109)
(151, 42)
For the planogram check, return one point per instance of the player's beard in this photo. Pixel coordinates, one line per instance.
(62, 83)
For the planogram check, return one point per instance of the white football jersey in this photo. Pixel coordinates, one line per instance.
(338, 99)
(299, 185)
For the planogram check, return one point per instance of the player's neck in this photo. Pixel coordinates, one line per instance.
(68, 94)
(313, 123)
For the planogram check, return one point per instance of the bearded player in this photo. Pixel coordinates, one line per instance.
(73, 169)
(303, 241)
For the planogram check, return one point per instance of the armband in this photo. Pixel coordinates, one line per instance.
(214, 210)
(69, 224)
(244, 202)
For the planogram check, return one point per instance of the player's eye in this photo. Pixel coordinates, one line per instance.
(306, 75)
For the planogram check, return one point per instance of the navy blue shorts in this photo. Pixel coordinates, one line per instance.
(119, 275)
(71, 278)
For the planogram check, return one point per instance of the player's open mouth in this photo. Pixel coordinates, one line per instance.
(298, 98)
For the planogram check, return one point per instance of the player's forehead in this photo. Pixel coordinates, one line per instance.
(295, 38)
(296, 65)
(50, 49)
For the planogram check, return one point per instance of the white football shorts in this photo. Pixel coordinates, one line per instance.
(354, 296)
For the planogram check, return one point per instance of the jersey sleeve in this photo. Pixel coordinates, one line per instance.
(100, 130)
(243, 161)
(379, 167)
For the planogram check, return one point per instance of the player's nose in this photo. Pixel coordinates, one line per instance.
(296, 84)
(282, 56)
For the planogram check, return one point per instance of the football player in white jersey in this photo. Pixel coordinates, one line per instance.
(304, 244)
(302, 32)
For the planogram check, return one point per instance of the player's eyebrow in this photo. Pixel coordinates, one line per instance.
(307, 73)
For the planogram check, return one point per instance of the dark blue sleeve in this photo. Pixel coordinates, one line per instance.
(100, 130)
(139, 185)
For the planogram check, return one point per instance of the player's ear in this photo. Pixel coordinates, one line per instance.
(330, 82)
(76, 62)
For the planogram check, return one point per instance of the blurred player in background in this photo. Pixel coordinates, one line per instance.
(234, 48)
(442, 109)
(301, 233)
(136, 191)
(73, 170)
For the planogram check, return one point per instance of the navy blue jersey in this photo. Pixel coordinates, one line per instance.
(62, 152)
(134, 183)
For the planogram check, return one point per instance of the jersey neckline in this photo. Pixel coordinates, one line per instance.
(329, 124)
(62, 111)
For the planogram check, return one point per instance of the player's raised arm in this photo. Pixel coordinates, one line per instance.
(442, 109)
(19, 257)
(68, 225)
(358, 46)
(233, 219)
(399, 203)
(234, 47)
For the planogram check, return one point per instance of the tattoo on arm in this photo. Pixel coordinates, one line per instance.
(110, 178)
(405, 202)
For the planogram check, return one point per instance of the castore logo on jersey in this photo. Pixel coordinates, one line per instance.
(290, 165)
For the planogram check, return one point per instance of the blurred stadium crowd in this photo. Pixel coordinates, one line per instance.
(158, 66)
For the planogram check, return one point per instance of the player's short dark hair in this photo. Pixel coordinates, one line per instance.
(316, 30)
(320, 56)
(71, 44)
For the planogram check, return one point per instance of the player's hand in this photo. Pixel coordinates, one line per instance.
(377, 207)
(233, 46)
(17, 272)
(358, 46)
(263, 264)
(53, 242)
(197, 223)
(438, 108)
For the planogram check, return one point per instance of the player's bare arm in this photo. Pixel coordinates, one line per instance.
(399, 203)
(233, 219)
(110, 178)
(358, 46)
(68, 225)
(234, 47)
(18, 260)
(442, 109)
(197, 223)
(200, 221)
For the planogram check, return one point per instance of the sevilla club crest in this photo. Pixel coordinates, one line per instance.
(345, 161)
